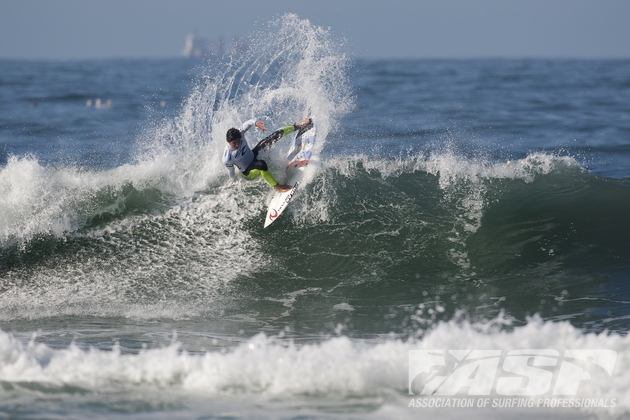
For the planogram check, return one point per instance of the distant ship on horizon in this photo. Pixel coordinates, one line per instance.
(196, 46)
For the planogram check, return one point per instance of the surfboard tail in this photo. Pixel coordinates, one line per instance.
(278, 203)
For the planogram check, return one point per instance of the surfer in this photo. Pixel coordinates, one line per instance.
(237, 152)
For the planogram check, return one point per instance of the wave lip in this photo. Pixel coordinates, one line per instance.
(38, 200)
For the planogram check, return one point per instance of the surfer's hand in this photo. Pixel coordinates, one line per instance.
(302, 122)
(261, 125)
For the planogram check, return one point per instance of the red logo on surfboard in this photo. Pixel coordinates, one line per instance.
(273, 215)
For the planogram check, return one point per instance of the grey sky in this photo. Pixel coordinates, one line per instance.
(75, 29)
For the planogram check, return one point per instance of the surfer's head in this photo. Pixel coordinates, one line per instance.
(233, 137)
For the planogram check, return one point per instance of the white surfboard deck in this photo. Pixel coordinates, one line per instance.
(278, 203)
(298, 157)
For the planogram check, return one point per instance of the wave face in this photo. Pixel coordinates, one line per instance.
(144, 282)
(483, 234)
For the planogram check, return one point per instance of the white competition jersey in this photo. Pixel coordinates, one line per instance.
(241, 157)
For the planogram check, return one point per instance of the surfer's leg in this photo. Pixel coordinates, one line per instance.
(266, 175)
(259, 168)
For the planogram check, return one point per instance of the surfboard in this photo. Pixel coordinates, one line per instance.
(297, 159)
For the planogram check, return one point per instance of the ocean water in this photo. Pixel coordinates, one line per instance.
(454, 205)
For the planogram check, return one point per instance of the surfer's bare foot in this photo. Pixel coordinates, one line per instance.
(282, 188)
(302, 122)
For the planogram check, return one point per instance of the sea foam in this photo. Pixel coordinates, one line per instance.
(270, 368)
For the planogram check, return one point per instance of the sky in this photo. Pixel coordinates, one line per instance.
(88, 29)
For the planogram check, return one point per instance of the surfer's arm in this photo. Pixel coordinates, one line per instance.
(250, 123)
(247, 125)
(227, 161)
(230, 169)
